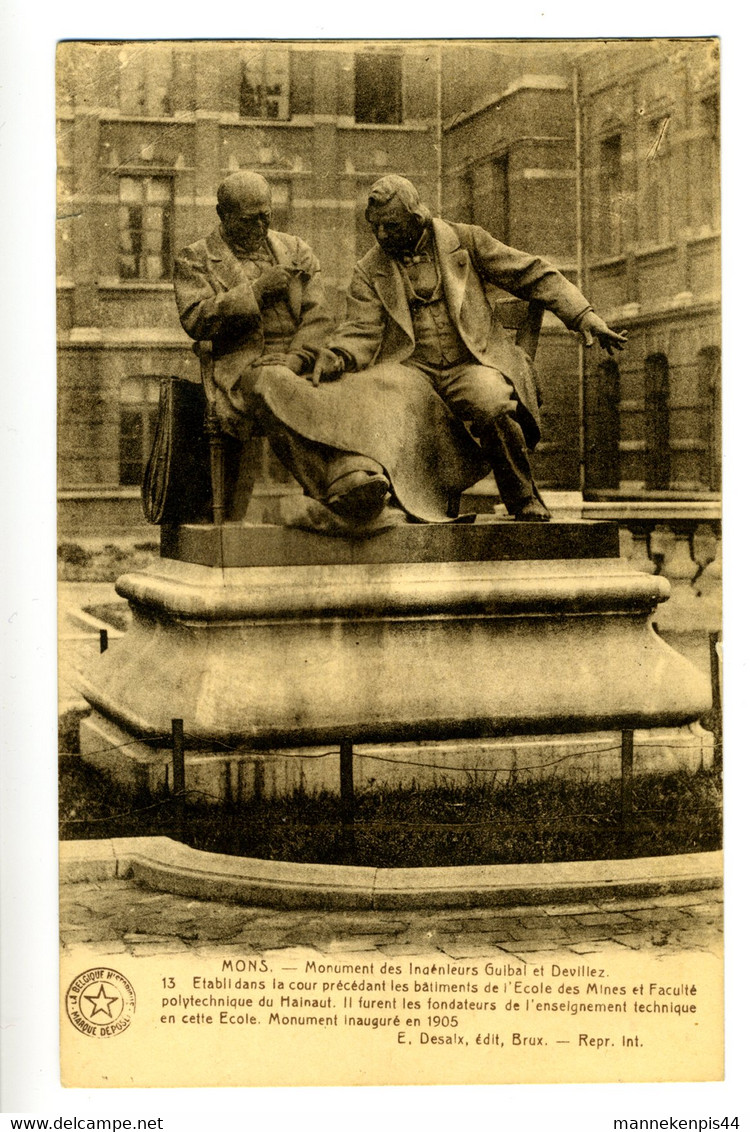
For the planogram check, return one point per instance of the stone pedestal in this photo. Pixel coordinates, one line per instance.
(269, 639)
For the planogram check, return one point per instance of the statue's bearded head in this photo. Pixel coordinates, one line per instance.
(244, 206)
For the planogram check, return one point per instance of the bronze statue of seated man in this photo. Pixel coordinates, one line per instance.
(256, 295)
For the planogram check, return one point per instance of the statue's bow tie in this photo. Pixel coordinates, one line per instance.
(408, 260)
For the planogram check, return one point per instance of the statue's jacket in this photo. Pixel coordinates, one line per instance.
(378, 326)
(216, 302)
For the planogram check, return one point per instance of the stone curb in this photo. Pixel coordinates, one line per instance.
(169, 866)
(79, 619)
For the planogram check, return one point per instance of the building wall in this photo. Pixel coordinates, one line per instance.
(171, 120)
(649, 197)
(651, 246)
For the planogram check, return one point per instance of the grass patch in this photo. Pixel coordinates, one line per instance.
(554, 820)
(102, 563)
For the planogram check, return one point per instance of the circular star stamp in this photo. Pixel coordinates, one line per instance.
(100, 1002)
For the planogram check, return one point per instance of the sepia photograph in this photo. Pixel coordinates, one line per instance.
(389, 561)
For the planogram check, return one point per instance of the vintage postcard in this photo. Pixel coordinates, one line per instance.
(389, 548)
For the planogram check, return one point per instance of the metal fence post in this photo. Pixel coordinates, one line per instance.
(178, 772)
(716, 719)
(346, 780)
(626, 782)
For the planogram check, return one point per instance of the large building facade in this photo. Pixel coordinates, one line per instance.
(602, 157)
(652, 261)
(146, 133)
(605, 158)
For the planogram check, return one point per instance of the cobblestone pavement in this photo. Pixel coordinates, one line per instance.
(117, 916)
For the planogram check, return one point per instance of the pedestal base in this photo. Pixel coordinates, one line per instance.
(461, 643)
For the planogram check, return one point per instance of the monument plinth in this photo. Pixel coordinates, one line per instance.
(267, 638)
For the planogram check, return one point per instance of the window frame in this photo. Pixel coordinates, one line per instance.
(360, 57)
(610, 196)
(145, 410)
(284, 96)
(656, 219)
(657, 439)
(167, 252)
(146, 76)
(706, 204)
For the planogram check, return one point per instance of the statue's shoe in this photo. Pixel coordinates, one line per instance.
(358, 496)
(310, 515)
(533, 511)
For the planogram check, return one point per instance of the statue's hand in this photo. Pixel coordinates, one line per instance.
(272, 283)
(295, 362)
(328, 366)
(592, 326)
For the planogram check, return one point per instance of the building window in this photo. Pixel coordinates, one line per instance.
(610, 196)
(281, 205)
(658, 470)
(146, 76)
(145, 228)
(705, 176)
(139, 407)
(603, 427)
(655, 213)
(65, 71)
(464, 196)
(487, 184)
(264, 84)
(377, 89)
(301, 82)
(709, 396)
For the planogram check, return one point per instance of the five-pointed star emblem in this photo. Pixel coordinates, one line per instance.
(101, 1002)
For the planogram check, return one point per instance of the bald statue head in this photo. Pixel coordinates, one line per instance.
(244, 206)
